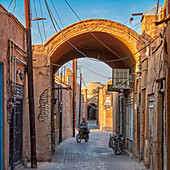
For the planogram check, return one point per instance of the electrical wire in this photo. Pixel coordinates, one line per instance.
(134, 53)
(40, 30)
(49, 12)
(10, 4)
(92, 33)
(52, 17)
(115, 60)
(14, 7)
(38, 22)
(98, 74)
(136, 24)
(86, 86)
(43, 21)
(63, 27)
(95, 72)
(57, 14)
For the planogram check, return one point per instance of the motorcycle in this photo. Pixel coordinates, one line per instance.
(116, 142)
(82, 135)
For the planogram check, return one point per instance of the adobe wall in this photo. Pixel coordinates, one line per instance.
(154, 83)
(108, 114)
(67, 114)
(42, 77)
(10, 28)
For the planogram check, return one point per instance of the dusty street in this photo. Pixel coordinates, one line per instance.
(92, 155)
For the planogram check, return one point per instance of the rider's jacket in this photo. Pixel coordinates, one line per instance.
(83, 124)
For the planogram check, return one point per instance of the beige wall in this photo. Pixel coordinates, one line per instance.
(67, 114)
(108, 114)
(10, 28)
(151, 81)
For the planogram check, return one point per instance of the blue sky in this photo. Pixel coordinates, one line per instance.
(116, 10)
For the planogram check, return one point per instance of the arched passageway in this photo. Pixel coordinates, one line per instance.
(96, 38)
(92, 112)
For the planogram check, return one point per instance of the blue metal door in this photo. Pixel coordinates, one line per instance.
(1, 120)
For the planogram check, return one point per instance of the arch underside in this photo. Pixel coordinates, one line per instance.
(120, 40)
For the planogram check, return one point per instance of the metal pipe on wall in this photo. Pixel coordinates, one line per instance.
(73, 81)
(14, 74)
(80, 98)
(12, 66)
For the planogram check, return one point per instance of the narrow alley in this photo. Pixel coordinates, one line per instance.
(92, 155)
(69, 66)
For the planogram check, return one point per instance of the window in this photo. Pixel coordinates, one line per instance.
(151, 113)
(120, 76)
(129, 119)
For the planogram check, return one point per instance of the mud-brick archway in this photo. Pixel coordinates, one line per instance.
(120, 39)
(121, 42)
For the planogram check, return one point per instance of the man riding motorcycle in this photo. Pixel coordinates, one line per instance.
(84, 125)
(83, 131)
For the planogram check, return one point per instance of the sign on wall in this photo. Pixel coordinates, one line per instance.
(107, 102)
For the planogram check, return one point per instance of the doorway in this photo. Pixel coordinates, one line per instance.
(91, 112)
(16, 141)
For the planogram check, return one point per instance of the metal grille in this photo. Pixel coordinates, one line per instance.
(120, 78)
(151, 112)
(164, 149)
(18, 91)
(129, 118)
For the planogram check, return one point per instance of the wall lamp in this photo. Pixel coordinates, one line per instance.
(20, 73)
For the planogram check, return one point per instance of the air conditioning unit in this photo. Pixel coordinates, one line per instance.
(121, 78)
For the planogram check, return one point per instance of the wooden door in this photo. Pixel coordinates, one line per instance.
(16, 126)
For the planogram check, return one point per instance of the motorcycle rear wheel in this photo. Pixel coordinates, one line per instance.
(78, 138)
(86, 138)
(118, 149)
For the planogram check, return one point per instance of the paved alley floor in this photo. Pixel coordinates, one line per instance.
(92, 155)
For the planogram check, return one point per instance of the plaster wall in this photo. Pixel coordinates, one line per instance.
(154, 82)
(10, 28)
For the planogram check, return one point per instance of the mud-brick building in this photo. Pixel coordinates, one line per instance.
(108, 109)
(90, 93)
(147, 102)
(13, 87)
(154, 125)
(63, 99)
